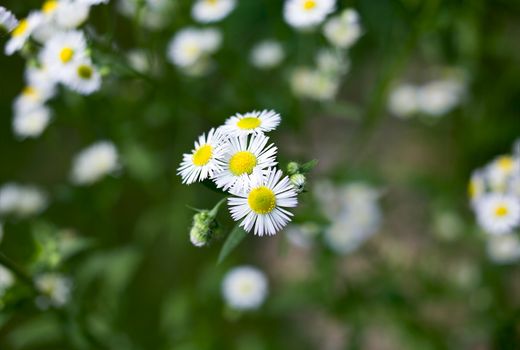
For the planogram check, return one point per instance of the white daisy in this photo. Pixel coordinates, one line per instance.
(267, 54)
(22, 32)
(31, 123)
(344, 30)
(402, 101)
(504, 249)
(261, 206)
(71, 14)
(244, 288)
(82, 77)
(303, 14)
(207, 11)
(8, 21)
(500, 170)
(252, 123)
(63, 50)
(21, 200)
(439, 97)
(32, 97)
(56, 288)
(205, 160)
(190, 45)
(245, 156)
(498, 214)
(94, 162)
(314, 84)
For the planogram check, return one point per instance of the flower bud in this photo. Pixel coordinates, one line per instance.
(298, 181)
(203, 229)
(293, 168)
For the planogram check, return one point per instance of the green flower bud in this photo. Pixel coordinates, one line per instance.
(298, 181)
(203, 229)
(293, 168)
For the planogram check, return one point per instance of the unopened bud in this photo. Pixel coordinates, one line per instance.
(293, 168)
(203, 229)
(298, 181)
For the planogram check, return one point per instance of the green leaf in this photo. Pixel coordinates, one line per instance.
(306, 167)
(235, 237)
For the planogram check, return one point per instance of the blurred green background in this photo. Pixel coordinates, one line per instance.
(138, 281)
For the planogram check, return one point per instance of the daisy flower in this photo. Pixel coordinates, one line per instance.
(189, 46)
(31, 123)
(252, 123)
(82, 77)
(205, 160)
(504, 249)
(56, 287)
(70, 14)
(207, 11)
(22, 32)
(402, 102)
(344, 30)
(32, 97)
(245, 157)
(500, 170)
(497, 213)
(304, 14)
(244, 288)
(94, 162)
(21, 200)
(267, 54)
(261, 206)
(8, 21)
(439, 97)
(62, 50)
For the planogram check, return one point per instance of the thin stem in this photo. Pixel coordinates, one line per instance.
(15, 269)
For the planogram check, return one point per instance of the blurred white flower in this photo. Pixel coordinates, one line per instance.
(267, 54)
(56, 289)
(331, 62)
(94, 162)
(70, 14)
(22, 32)
(21, 200)
(302, 235)
(6, 279)
(500, 171)
(138, 60)
(63, 50)
(313, 84)
(191, 47)
(303, 14)
(31, 123)
(208, 11)
(503, 249)
(255, 122)
(82, 77)
(32, 97)
(439, 97)
(343, 30)
(498, 213)
(8, 21)
(403, 101)
(244, 288)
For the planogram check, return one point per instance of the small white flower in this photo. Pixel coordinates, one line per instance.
(8, 21)
(22, 32)
(205, 160)
(32, 97)
(498, 214)
(267, 54)
(254, 122)
(245, 156)
(344, 30)
(261, 207)
(20, 200)
(403, 101)
(304, 14)
(500, 170)
(504, 249)
(244, 288)
(440, 97)
(94, 162)
(31, 123)
(82, 77)
(6, 279)
(314, 84)
(71, 14)
(63, 50)
(208, 11)
(56, 287)
(190, 46)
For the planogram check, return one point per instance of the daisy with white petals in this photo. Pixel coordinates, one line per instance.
(303, 14)
(244, 288)
(261, 206)
(8, 21)
(62, 50)
(21, 34)
(31, 123)
(207, 11)
(497, 213)
(252, 123)
(344, 30)
(93, 163)
(82, 77)
(205, 160)
(245, 156)
(190, 45)
(267, 54)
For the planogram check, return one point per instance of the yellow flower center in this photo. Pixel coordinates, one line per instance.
(472, 189)
(212, 2)
(49, 6)
(242, 163)
(20, 28)
(85, 72)
(29, 91)
(262, 200)
(249, 123)
(505, 163)
(202, 155)
(501, 211)
(309, 4)
(66, 54)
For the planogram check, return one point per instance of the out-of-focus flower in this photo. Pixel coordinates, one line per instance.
(313, 84)
(503, 249)
(302, 235)
(331, 62)
(22, 32)
(31, 123)
(82, 77)
(500, 171)
(63, 50)
(205, 159)
(255, 122)
(8, 21)
(304, 14)
(245, 157)
(6, 279)
(498, 213)
(244, 288)
(71, 14)
(403, 101)
(21, 200)
(94, 162)
(441, 96)
(267, 54)
(32, 97)
(208, 11)
(343, 30)
(56, 289)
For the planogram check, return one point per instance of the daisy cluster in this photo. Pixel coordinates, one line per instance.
(494, 192)
(56, 53)
(238, 158)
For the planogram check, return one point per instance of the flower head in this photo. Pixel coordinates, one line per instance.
(244, 288)
(344, 30)
(82, 76)
(56, 288)
(32, 122)
(304, 14)
(22, 32)
(267, 54)
(62, 51)
(498, 213)
(252, 123)
(94, 162)
(191, 47)
(208, 11)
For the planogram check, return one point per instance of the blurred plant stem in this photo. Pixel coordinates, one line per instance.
(18, 271)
